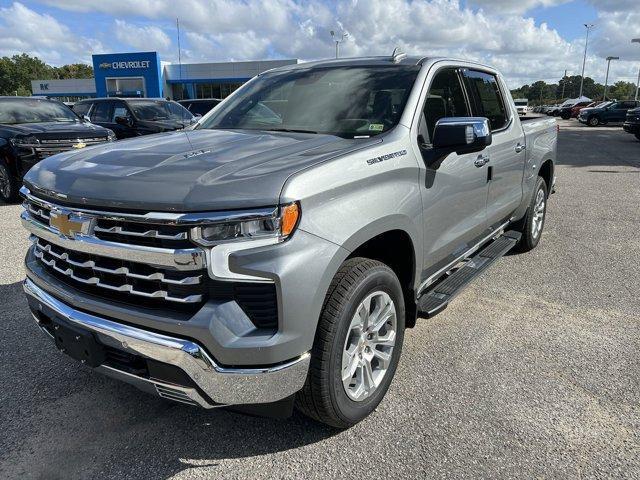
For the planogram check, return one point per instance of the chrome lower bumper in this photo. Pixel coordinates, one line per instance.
(223, 386)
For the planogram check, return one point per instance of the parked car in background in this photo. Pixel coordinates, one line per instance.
(566, 111)
(132, 117)
(276, 258)
(32, 129)
(632, 122)
(522, 105)
(200, 106)
(575, 110)
(608, 113)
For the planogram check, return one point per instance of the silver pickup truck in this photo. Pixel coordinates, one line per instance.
(274, 255)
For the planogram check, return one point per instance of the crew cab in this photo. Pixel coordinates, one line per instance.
(274, 254)
(632, 122)
(32, 129)
(610, 112)
(133, 117)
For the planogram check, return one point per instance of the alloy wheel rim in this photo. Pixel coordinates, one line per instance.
(369, 345)
(5, 185)
(538, 214)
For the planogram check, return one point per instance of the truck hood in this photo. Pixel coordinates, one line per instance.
(184, 171)
(56, 130)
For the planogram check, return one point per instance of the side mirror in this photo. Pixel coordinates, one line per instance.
(124, 121)
(86, 118)
(461, 135)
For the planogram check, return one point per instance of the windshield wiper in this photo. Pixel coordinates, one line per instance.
(293, 130)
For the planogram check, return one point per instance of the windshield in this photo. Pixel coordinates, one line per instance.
(346, 101)
(159, 110)
(521, 103)
(603, 104)
(34, 110)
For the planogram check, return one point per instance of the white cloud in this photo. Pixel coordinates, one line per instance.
(24, 30)
(142, 38)
(491, 31)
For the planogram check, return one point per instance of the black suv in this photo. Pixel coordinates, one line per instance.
(632, 122)
(34, 128)
(199, 106)
(132, 117)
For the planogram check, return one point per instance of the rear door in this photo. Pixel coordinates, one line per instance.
(507, 151)
(100, 114)
(620, 109)
(454, 194)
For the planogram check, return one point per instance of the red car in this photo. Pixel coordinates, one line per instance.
(575, 110)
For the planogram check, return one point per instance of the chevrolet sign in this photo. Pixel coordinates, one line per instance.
(129, 64)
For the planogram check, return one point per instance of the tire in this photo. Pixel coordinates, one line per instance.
(9, 185)
(593, 121)
(566, 116)
(531, 225)
(324, 396)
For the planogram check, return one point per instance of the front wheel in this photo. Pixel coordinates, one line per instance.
(533, 222)
(357, 346)
(8, 185)
(593, 121)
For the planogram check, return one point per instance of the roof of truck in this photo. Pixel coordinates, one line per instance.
(387, 60)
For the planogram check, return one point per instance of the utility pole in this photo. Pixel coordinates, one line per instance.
(637, 40)
(338, 42)
(584, 58)
(179, 60)
(606, 78)
(564, 82)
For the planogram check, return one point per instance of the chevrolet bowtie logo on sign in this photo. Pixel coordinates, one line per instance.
(105, 65)
(69, 224)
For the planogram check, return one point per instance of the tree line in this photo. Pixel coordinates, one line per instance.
(542, 93)
(17, 72)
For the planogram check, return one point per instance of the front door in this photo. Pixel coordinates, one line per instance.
(507, 150)
(455, 193)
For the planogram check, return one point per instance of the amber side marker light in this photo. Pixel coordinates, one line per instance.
(289, 219)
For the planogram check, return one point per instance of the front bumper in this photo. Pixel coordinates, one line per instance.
(631, 127)
(210, 384)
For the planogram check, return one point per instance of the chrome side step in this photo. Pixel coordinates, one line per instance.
(437, 297)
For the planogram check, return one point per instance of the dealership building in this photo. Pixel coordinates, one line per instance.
(143, 74)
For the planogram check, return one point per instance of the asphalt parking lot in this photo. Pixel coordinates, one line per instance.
(532, 372)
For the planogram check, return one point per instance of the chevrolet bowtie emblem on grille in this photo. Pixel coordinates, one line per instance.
(69, 224)
(79, 145)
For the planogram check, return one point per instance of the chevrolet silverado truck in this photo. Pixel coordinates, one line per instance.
(34, 128)
(274, 255)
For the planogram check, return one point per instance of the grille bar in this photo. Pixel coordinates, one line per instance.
(148, 233)
(125, 287)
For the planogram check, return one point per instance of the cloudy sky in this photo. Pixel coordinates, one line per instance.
(527, 39)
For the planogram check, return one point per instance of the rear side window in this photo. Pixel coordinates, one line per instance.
(82, 109)
(101, 112)
(630, 104)
(487, 99)
(445, 99)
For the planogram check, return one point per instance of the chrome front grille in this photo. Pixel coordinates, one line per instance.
(112, 255)
(133, 279)
(48, 147)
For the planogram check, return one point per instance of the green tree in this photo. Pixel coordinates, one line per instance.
(17, 72)
(622, 90)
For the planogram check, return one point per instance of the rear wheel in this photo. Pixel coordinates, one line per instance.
(8, 185)
(357, 346)
(593, 121)
(532, 224)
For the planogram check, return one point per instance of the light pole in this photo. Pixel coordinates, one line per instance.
(606, 79)
(637, 40)
(589, 26)
(338, 42)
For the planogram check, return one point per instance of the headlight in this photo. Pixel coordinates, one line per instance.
(24, 141)
(111, 137)
(278, 226)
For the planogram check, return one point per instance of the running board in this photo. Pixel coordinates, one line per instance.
(436, 298)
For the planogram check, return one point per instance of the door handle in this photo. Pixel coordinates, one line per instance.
(520, 148)
(481, 161)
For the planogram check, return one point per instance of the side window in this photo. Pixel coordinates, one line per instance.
(119, 110)
(445, 99)
(82, 109)
(487, 99)
(101, 112)
(628, 104)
